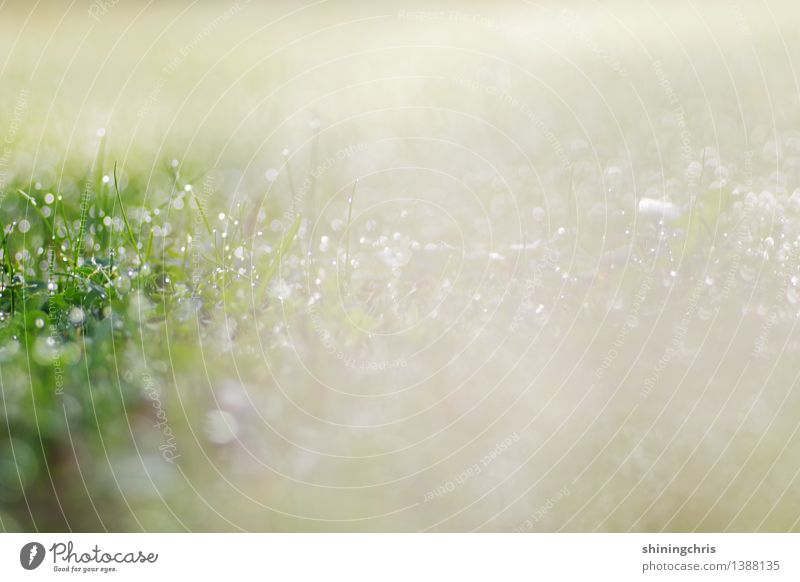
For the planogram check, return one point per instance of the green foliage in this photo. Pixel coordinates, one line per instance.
(92, 280)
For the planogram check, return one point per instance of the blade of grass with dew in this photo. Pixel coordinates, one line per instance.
(149, 248)
(95, 177)
(128, 229)
(347, 234)
(38, 210)
(98, 172)
(84, 208)
(202, 214)
(283, 247)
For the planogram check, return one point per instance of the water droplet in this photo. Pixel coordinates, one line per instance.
(76, 315)
(221, 427)
(123, 284)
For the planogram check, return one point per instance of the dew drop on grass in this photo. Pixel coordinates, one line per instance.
(281, 290)
(24, 225)
(271, 175)
(45, 350)
(792, 295)
(76, 315)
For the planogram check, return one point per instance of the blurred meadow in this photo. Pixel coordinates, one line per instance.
(391, 266)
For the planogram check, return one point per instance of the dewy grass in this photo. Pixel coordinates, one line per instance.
(90, 285)
(40, 254)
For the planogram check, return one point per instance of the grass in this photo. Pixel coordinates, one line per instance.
(86, 285)
(493, 272)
